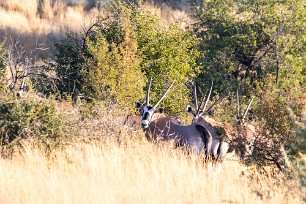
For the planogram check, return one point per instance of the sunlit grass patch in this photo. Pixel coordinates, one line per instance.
(136, 172)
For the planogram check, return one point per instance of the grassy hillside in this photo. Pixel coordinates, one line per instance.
(43, 21)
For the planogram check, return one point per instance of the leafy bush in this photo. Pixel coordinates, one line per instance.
(169, 54)
(102, 63)
(30, 119)
(114, 67)
(278, 110)
(113, 58)
(245, 41)
(70, 61)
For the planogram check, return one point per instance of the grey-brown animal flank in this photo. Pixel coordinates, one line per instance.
(157, 126)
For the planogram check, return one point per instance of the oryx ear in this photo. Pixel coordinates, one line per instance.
(138, 104)
(189, 108)
(161, 110)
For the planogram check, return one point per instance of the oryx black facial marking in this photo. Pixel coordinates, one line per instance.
(147, 115)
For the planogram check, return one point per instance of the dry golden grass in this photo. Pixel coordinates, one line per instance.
(133, 172)
(110, 163)
(32, 22)
(169, 15)
(29, 17)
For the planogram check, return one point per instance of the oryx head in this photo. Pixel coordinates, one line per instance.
(239, 117)
(198, 112)
(147, 110)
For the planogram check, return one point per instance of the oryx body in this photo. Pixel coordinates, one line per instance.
(157, 126)
(245, 139)
(219, 146)
(226, 137)
(167, 128)
(220, 141)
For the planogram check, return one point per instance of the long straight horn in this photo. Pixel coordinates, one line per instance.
(237, 103)
(166, 92)
(195, 96)
(206, 102)
(247, 109)
(148, 91)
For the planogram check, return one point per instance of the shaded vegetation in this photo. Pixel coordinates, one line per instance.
(259, 48)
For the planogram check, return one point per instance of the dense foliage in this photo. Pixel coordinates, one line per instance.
(31, 119)
(169, 54)
(113, 59)
(258, 47)
(243, 42)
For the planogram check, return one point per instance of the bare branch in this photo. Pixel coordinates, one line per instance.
(237, 104)
(26, 64)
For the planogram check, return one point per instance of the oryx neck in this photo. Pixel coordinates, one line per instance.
(157, 116)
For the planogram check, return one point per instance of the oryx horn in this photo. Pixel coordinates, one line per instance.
(148, 91)
(237, 103)
(208, 96)
(247, 109)
(195, 95)
(163, 96)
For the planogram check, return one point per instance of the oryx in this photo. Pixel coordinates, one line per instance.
(219, 131)
(245, 132)
(225, 137)
(158, 126)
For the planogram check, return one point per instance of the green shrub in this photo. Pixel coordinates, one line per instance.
(169, 54)
(70, 58)
(278, 110)
(112, 60)
(246, 41)
(29, 119)
(102, 63)
(114, 73)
